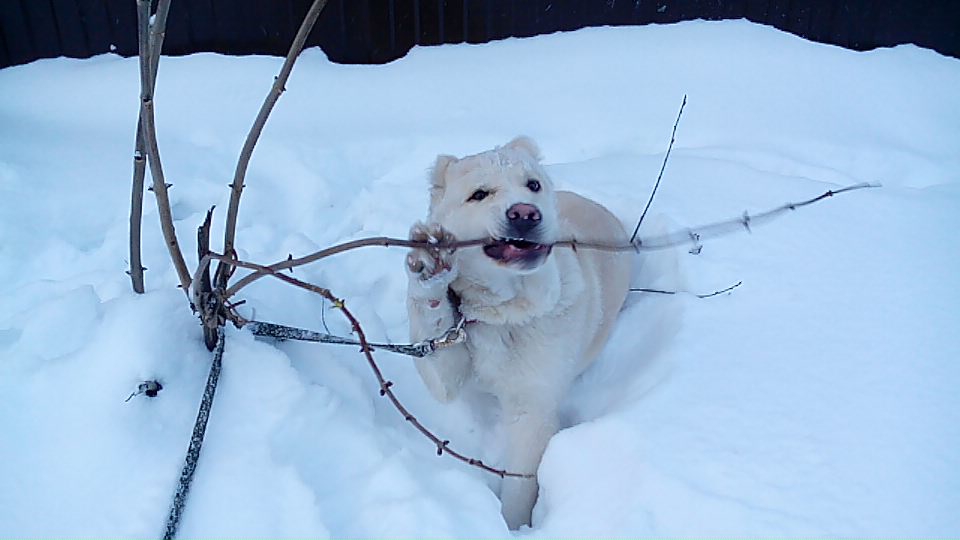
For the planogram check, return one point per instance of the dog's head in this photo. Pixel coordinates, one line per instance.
(503, 194)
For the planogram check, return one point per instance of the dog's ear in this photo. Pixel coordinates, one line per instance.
(438, 177)
(525, 144)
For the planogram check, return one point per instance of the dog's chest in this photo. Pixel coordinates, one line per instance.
(514, 356)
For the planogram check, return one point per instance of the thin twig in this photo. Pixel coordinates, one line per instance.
(136, 212)
(159, 185)
(155, 45)
(651, 243)
(366, 348)
(714, 293)
(378, 241)
(279, 83)
(663, 166)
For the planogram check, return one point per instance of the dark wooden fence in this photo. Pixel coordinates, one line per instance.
(375, 31)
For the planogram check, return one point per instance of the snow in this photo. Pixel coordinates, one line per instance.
(818, 399)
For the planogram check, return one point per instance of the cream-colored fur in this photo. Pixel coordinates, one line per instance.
(532, 331)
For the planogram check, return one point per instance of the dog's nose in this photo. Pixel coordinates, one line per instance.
(523, 216)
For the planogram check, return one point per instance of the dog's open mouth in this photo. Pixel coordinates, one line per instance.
(513, 250)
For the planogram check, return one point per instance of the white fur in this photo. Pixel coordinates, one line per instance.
(533, 331)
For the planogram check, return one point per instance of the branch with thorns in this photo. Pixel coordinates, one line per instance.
(386, 386)
(157, 31)
(650, 243)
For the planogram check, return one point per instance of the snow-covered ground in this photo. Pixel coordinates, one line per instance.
(818, 399)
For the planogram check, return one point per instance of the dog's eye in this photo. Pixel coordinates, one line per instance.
(479, 195)
(533, 185)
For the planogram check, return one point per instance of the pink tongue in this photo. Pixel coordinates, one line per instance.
(512, 252)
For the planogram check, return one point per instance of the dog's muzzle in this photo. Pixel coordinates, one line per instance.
(521, 245)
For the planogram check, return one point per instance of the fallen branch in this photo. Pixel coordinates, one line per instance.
(282, 332)
(664, 241)
(157, 34)
(196, 441)
(663, 166)
(366, 348)
(714, 293)
(159, 186)
(279, 85)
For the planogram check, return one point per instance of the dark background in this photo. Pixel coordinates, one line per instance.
(376, 31)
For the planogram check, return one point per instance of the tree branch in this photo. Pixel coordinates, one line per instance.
(663, 166)
(153, 152)
(366, 348)
(651, 243)
(279, 83)
(155, 45)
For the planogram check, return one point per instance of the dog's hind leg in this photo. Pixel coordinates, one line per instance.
(528, 430)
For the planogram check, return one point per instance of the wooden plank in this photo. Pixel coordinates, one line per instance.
(475, 20)
(382, 34)
(16, 34)
(452, 12)
(123, 26)
(178, 39)
(73, 39)
(202, 26)
(821, 20)
(756, 10)
(428, 17)
(93, 14)
(798, 18)
(40, 27)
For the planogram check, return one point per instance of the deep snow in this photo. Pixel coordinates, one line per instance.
(818, 399)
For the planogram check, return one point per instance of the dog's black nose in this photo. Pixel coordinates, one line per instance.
(523, 217)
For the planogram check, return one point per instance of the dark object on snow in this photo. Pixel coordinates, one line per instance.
(147, 388)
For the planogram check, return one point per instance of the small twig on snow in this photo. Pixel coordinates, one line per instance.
(240, 174)
(148, 388)
(663, 166)
(714, 293)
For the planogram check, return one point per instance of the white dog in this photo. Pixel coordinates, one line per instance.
(536, 316)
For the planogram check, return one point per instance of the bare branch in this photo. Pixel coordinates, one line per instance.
(663, 166)
(380, 241)
(714, 293)
(155, 45)
(136, 213)
(651, 243)
(159, 187)
(196, 441)
(366, 348)
(240, 174)
(744, 222)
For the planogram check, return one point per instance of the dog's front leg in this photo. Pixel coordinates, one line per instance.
(431, 313)
(529, 428)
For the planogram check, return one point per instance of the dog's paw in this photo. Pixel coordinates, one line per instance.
(433, 266)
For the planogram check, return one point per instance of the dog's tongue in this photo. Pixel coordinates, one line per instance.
(511, 251)
(504, 251)
(507, 251)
